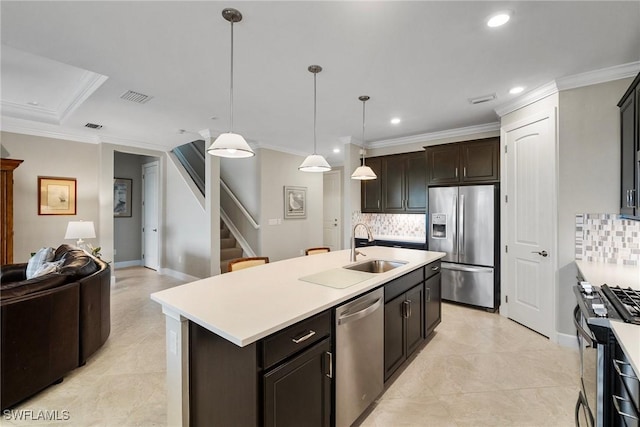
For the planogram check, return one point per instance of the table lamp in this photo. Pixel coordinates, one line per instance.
(80, 230)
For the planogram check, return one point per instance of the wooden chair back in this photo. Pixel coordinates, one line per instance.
(318, 250)
(241, 263)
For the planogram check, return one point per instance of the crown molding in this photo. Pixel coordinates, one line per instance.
(88, 84)
(27, 127)
(30, 112)
(603, 75)
(451, 133)
(588, 78)
(528, 98)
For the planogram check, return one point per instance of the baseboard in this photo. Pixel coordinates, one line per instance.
(566, 340)
(178, 275)
(125, 264)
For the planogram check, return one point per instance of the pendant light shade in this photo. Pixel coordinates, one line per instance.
(363, 172)
(315, 162)
(231, 144)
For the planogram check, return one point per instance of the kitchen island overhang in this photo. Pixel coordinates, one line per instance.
(246, 306)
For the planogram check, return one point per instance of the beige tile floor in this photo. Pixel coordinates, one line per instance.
(479, 369)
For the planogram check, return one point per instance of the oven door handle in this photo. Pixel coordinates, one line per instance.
(579, 330)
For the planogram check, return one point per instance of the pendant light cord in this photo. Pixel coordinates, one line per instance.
(364, 144)
(231, 89)
(315, 103)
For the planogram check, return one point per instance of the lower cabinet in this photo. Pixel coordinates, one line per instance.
(403, 328)
(432, 303)
(298, 392)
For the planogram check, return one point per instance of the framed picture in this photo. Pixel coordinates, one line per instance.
(56, 196)
(122, 197)
(295, 202)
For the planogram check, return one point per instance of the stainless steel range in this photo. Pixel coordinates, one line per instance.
(599, 401)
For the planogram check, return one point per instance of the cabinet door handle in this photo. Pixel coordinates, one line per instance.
(633, 197)
(428, 299)
(456, 172)
(407, 304)
(464, 172)
(304, 337)
(329, 364)
(436, 268)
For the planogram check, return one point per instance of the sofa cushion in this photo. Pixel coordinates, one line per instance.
(61, 251)
(77, 263)
(18, 289)
(35, 262)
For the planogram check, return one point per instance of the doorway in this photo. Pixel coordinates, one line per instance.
(332, 208)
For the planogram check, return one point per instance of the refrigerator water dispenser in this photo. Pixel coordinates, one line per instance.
(439, 226)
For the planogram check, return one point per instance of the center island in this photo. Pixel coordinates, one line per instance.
(238, 343)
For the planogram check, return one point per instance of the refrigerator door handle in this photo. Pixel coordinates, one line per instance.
(454, 233)
(461, 226)
(465, 268)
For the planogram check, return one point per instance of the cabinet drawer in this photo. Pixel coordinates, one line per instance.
(403, 284)
(432, 269)
(297, 337)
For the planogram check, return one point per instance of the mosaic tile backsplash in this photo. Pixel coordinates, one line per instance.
(607, 238)
(411, 226)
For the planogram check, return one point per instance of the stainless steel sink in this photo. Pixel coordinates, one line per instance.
(375, 266)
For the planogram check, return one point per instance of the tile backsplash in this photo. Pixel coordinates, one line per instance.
(607, 238)
(391, 225)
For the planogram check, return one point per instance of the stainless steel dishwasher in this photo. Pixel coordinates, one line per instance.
(359, 363)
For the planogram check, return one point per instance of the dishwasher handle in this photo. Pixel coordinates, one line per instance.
(343, 319)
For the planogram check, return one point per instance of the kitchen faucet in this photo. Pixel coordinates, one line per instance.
(354, 251)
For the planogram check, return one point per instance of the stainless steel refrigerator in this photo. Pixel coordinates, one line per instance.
(463, 223)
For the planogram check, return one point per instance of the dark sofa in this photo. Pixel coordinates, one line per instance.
(51, 324)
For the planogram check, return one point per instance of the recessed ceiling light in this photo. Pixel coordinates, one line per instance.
(395, 120)
(34, 103)
(516, 90)
(336, 150)
(499, 19)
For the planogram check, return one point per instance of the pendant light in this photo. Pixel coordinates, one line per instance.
(315, 162)
(363, 172)
(231, 144)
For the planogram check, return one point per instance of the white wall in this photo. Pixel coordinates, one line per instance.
(287, 239)
(127, 231)
(243, 178)
(589, 173)
(57, 158)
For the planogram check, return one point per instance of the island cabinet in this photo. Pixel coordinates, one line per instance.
(432, 297)
(282, 380)
(630, 146)
(403, 319)
(469, 162)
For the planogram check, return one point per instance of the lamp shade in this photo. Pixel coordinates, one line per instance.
(80, 230)
(314, 163)
(230, 145)
(363, 173)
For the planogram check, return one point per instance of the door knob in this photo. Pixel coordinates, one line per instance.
(541, 253)
(155, 229)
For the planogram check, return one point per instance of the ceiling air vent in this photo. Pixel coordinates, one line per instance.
(481, 99)
(93, 126)
(138, 97)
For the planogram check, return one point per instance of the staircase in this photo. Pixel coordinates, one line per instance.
(228, 247)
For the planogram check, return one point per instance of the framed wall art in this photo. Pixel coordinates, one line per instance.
(56, 195)
(122, 197)
(295, 202)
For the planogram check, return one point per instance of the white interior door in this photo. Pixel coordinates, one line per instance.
(150, 208)
(332, 206)
(531, 221)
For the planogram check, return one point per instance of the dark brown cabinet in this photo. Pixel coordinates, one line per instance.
(403, 319)
(469, 162)
(432, 302)
(298, 392)
(283, 380)
(6, 210)
(630, 145)
(401, 185)
(371, 190)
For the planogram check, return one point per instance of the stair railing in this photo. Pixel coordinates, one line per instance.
(237, 202)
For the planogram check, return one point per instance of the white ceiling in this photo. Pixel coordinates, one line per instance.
(418, 60)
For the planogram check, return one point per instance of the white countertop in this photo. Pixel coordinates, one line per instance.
(597, 274)
(248, 305)
(628, 337)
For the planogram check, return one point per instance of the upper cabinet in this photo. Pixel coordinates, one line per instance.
(466, 162)
(630, 144)
(401, 185)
